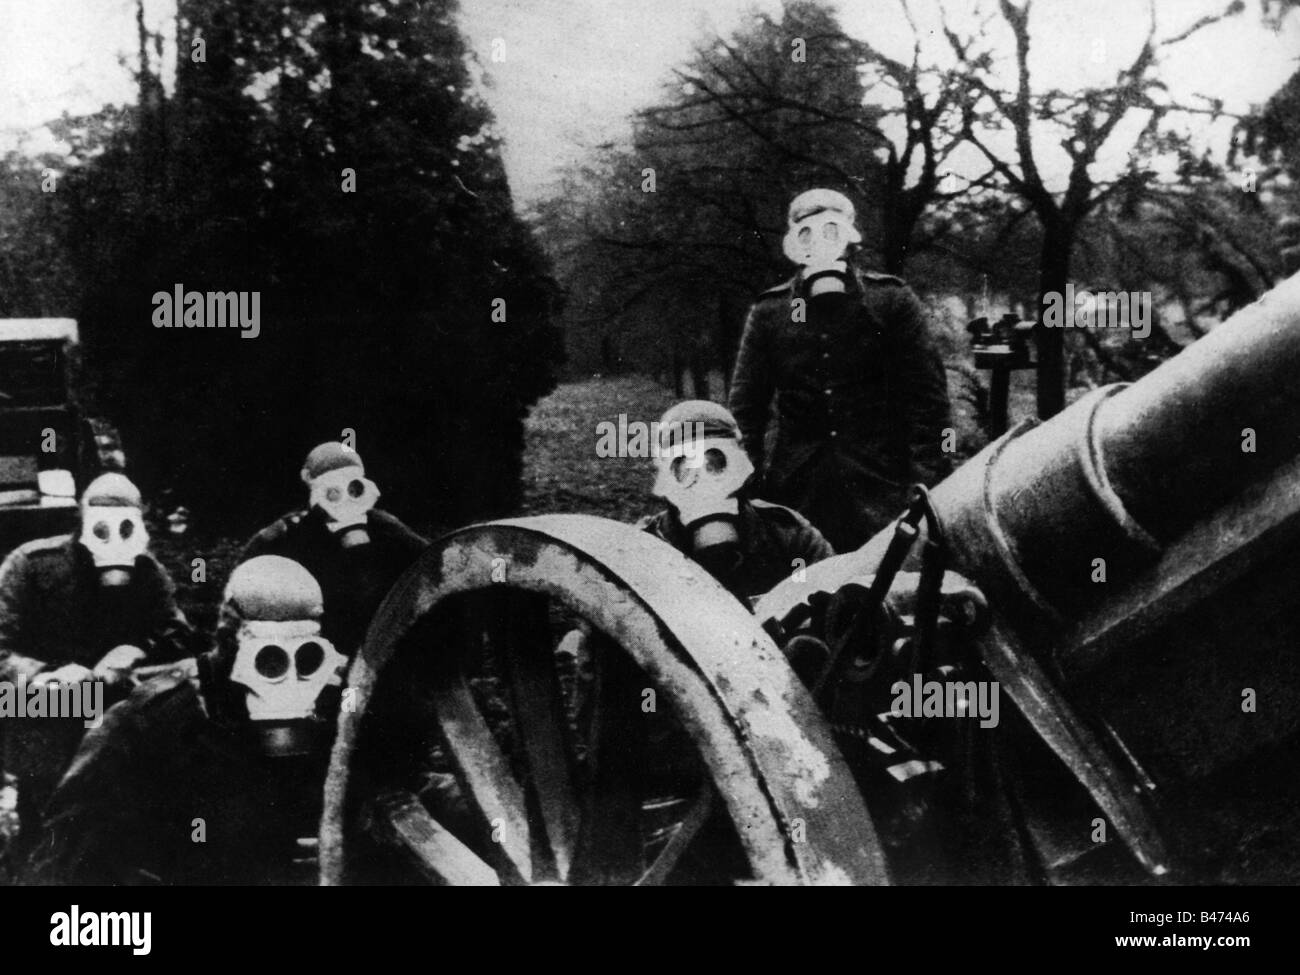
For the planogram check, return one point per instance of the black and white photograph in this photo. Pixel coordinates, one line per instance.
(692, 443)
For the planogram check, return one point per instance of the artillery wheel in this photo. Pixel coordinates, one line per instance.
(474, 748)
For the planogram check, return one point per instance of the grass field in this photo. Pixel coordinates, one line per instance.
(562, 472)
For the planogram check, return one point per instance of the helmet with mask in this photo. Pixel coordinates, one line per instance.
(338, 486)
(112, 527)
(821, 231)
(701, 467)
(281, 663)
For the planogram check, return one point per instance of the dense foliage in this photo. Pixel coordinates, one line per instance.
(335, 158)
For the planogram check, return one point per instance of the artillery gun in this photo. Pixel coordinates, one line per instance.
(1124, 573)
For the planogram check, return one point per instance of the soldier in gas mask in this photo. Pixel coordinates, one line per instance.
(213, 774)
(702, 475)
(702, 472)
(353, 549)
(76, 608)
(860, 391)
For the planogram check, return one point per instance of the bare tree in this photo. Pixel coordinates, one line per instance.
(1087, 118)
(733, 87)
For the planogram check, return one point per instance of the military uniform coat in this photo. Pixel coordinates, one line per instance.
(774, 543)
(161, 793)
(54, 611)
(859, 396)
(353, 581)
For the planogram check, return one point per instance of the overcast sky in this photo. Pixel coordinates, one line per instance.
(575, 69)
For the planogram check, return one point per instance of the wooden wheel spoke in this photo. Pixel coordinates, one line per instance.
(540, 725)
(677, 844)
(484, 773)
(609, 844)
(403, 822)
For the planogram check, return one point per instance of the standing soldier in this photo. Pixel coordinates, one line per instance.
(861, 394)
(354, 550)
(82, 607)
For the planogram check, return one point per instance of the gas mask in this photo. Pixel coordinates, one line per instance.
(819, 243)
(346, 496)
(285, 666)
(822, 230)
(115, 536)
(700, 480)
(281, 662)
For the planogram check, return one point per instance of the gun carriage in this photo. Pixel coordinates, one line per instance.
(564, 699)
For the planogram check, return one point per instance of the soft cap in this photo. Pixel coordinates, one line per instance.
(330, 456)
(811, 202)
(678, 425)
(112, 490)
(274, 589)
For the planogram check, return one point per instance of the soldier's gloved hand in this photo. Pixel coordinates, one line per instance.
(67, 674)
(115, 666)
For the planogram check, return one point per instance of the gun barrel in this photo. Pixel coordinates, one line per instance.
(1126, 470)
